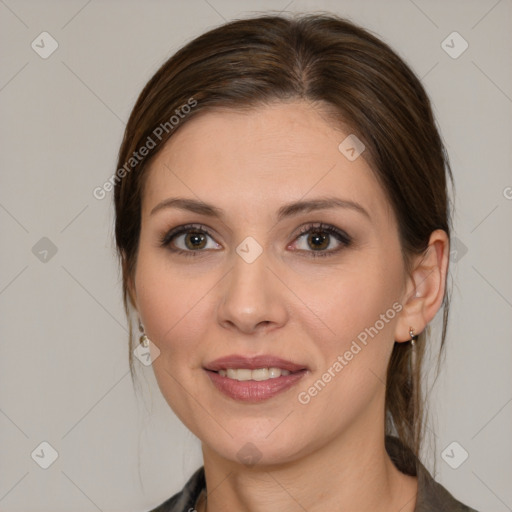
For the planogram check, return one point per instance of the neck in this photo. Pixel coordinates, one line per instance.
(353, 472)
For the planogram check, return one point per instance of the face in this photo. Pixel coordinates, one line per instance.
(251, 276)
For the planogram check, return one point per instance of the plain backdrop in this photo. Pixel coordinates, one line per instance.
(64, 376)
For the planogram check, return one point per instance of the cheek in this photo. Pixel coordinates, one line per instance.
(353, 334)
(172, 307)
(351, 302)
(353, 345)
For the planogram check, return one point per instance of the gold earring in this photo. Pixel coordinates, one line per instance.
(413, 347)
(143, 340)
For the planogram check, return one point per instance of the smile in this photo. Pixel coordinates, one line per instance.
(260, 374)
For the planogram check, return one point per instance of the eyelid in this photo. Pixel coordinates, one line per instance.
(322, 226)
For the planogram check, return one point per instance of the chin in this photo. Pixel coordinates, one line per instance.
(256, 448)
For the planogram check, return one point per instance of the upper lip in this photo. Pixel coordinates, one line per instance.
(253, 363)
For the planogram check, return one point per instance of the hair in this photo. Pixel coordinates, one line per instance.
(324, 60)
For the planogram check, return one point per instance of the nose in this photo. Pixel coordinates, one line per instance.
(252, 297)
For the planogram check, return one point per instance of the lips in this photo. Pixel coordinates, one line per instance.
(253, 363)
(254, 390)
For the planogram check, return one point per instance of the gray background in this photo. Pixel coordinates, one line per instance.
(64, 370)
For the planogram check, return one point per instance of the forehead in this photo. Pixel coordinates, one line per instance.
(259, 159)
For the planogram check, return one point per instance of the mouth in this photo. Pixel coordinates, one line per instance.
(253, 379)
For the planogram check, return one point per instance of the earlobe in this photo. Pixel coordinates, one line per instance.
(425, 287)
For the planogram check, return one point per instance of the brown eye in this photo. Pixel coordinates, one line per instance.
(195, 240)
(322, 240)
(189, 240)
(318, 240)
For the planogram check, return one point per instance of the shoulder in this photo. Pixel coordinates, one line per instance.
(185, 500)
(432, 496)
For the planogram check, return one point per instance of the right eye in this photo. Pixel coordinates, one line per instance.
(188, 240)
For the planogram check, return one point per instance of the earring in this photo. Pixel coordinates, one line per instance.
(143, 340)
(413, 347)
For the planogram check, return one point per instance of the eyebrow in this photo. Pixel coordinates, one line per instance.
(287, 210)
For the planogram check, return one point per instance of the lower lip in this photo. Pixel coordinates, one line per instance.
(252, 390)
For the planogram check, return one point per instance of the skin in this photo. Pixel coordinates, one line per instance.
(329, 453)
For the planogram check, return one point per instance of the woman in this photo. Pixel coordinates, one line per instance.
(282, 221)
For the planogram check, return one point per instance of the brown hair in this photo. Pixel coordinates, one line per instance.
(321, 59)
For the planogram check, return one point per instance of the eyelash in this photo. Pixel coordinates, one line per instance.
(341, 236)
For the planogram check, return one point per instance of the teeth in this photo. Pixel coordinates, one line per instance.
(258, 374)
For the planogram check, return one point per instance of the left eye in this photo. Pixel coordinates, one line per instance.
(322, 240)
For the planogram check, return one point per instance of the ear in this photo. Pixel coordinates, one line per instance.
(425, 287)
